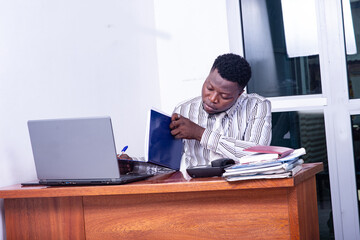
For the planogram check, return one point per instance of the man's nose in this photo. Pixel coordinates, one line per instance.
(214, 98)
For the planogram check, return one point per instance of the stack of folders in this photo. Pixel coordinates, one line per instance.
(265, 166)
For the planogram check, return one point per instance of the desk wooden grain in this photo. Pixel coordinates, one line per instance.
(167, 207)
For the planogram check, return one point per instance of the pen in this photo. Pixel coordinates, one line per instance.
(124, 149)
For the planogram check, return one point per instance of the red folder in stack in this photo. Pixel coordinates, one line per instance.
(281, 151)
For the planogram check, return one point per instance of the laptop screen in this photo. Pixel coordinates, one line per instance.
(74, 148)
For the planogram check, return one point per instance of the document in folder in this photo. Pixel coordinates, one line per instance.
(161, 147)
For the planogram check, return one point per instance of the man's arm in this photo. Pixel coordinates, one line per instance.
(257, 132)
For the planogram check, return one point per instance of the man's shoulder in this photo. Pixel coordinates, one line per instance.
(255, 97)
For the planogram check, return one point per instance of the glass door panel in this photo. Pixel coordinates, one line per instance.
(306, 129)
(355, 124)
(351, 10)
(281, 67)
(351, 18)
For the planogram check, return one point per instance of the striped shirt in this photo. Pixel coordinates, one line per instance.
(246, 123)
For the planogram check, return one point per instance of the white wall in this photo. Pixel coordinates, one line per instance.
(194, 33)
(86, 58)
(73, 59)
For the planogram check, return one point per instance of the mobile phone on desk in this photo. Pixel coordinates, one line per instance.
(204, 171)
(215, 170)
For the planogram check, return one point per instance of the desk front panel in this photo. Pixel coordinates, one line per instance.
(260, 214)
(44, 218)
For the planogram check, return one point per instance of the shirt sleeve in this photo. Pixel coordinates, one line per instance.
(257, 132)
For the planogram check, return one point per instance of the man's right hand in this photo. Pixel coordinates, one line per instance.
(123, 156)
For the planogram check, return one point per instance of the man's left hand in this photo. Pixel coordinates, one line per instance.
(182, 127)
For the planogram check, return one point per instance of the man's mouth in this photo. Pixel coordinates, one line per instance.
(209, 108)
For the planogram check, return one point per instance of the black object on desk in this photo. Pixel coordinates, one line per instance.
(216, 169)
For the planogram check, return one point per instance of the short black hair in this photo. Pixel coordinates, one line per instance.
(233, 68)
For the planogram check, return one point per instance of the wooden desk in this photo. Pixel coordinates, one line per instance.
(167, 207)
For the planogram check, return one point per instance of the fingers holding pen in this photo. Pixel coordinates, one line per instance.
(123, 157)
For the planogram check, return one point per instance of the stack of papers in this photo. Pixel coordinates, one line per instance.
(282, 167)
(265, 153)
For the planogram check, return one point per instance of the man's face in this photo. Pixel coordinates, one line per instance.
(219, 94)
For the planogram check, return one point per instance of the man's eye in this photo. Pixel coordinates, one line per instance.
(226, 97)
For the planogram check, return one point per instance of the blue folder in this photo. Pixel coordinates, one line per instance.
(163, 148)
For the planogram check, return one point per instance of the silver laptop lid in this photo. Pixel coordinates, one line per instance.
(76, 148)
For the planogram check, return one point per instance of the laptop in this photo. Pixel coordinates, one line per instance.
(76, 151)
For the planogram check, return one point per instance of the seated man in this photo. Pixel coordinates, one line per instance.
(223, 120)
